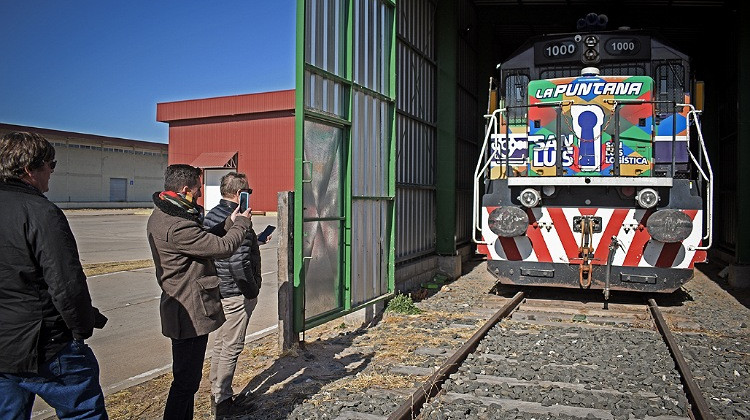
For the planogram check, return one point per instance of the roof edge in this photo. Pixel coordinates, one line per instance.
(84, 136)
(251, 103)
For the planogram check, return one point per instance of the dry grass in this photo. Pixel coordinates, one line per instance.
(116, 266)
(367, 380)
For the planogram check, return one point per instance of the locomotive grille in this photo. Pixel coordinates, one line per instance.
(516, 85)
(669, 77)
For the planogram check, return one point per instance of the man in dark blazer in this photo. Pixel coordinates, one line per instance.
(183, 253)
(45, 305)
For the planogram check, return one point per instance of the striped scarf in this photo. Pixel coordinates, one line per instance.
(183, 201)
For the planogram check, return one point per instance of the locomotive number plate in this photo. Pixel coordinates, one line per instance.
(596, 223)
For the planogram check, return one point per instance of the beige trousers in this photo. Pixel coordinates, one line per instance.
(229, 340)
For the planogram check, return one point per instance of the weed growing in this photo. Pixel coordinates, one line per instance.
(402, 304)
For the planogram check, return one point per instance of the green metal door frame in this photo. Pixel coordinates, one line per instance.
(344, 119)
(447, 94)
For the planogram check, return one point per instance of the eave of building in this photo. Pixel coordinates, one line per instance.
(276, 102)
(72, 135)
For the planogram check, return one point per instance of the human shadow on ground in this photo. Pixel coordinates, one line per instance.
(303, 372)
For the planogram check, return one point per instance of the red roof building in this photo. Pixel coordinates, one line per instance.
(252, 134)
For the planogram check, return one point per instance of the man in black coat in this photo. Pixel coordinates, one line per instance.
(45, 306)
(240, 279)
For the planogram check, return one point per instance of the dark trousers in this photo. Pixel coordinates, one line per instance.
(187, 367)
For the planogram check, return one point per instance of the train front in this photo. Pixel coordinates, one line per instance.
(588, 184)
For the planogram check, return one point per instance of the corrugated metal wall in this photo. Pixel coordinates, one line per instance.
(469, 121)
(416, 131)
(372, 114)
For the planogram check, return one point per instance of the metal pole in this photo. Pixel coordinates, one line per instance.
(674, 137)
(610, 257)
(559, 142)
(616, 145)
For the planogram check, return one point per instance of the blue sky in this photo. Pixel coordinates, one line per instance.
(101, 66)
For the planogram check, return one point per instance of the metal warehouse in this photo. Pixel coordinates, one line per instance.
(98, 171)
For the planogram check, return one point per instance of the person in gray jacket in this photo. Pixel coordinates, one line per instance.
(240, 280)
(183, 253)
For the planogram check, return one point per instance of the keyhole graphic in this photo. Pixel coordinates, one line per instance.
(586, 148)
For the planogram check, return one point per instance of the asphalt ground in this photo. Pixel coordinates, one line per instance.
(131, 348)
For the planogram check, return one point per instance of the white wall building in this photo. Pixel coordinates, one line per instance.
(101, 172)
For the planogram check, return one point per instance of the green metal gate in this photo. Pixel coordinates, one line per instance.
(344, 157)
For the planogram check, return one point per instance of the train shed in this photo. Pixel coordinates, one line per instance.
(392, 96)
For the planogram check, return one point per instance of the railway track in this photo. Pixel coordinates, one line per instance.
(540, 358)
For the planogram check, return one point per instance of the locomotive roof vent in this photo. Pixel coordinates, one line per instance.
(590, 71)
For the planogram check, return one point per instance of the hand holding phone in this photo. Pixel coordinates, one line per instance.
(244, 201)
(263, 236)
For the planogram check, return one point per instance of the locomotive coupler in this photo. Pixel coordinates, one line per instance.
(612, 249)
(586, 251)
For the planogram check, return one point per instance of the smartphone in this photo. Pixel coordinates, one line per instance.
(263, 236)
(244, 201)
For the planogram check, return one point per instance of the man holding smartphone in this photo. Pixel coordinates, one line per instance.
(183, 254)
(240, 280)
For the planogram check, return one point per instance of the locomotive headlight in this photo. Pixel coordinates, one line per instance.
(590, 55)
(530, 197)
(669, 225)
(508, 221)
(647, 198)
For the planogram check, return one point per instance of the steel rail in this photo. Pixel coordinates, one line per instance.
(410, 408)
(699, 407)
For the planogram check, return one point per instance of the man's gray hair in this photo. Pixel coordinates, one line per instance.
(233, 182)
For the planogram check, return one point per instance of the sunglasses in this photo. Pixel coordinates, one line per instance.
(52, 164)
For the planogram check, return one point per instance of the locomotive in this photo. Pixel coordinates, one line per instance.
(594, 173)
